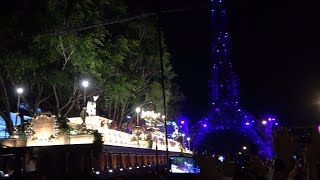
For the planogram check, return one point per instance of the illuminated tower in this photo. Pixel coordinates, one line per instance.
(223, 84)
(225, 112)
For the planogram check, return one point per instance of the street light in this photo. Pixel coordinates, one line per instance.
(183, 135)
(138, 109)
(189, 143)
(19, 91)
(85, 84)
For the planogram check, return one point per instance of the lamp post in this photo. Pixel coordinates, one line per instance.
(188, 139)
(138, 109)
(183, 135)
(85, 84)
(19, 91)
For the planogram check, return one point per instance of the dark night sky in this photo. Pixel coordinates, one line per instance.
(274, 52)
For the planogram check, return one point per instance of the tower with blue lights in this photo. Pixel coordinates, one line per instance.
(225, 110)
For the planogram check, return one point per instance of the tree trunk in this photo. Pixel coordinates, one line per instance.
(5, 100)
(109, 110)
(121, 116)
(114, 112)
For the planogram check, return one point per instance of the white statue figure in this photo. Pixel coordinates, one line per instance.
(176, 132)
(92, 106)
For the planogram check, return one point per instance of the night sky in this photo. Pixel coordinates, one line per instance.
(275, 52)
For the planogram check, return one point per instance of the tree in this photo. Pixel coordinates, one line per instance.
(121, 61)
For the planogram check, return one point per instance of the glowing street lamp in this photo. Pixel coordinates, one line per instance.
(183, 135)
(188, 139)
(138, 109)
(85, 84)
(19, 91)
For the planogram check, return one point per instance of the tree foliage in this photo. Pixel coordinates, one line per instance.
(120, 61)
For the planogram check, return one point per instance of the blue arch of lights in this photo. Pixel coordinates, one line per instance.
(254, 130)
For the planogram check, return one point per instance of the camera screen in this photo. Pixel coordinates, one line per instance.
(183, 165)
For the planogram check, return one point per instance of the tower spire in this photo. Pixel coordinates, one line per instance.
(224, 83)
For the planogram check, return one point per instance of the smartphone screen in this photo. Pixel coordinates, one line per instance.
(180, 164)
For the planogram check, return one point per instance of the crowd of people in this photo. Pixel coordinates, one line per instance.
(287, 164)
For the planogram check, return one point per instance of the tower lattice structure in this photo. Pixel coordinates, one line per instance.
(225, 111)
